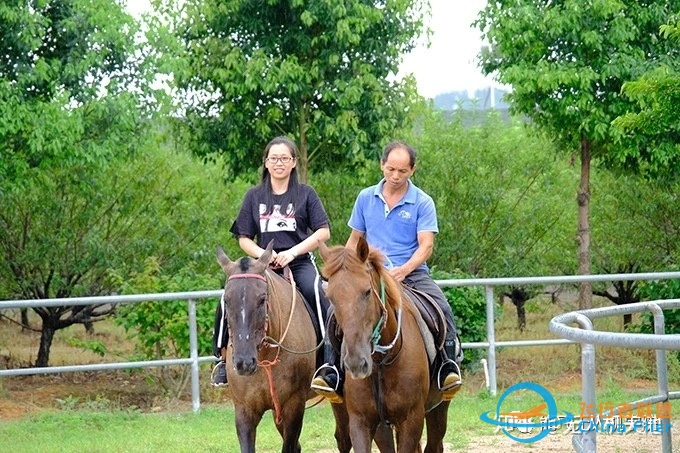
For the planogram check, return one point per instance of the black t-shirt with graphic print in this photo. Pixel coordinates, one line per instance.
(286, 225)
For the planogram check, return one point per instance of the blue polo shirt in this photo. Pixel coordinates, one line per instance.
(394, 232)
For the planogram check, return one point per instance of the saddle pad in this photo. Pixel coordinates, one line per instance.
(431, 313)
(428, 339)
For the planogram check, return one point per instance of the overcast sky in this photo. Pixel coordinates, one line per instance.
(449, 64)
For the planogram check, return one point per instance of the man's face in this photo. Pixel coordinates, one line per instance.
(397, 168)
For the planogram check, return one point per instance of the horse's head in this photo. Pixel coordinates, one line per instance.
(245, 300)
(356, 279)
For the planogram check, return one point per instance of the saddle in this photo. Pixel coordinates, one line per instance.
(433, 326)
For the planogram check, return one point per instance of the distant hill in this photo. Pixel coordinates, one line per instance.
(483, 99)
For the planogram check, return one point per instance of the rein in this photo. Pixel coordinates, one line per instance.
(267, 341)
(377, 378)
(380, 324)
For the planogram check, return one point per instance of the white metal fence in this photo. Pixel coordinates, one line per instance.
(586, 442)
(191, 297)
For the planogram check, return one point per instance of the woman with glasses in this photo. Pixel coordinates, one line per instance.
(291, 214)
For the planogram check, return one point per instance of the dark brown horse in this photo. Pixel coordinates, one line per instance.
(383, 353)
(272, 355)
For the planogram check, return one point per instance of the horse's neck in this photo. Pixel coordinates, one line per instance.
(390, 330)
(279, 309)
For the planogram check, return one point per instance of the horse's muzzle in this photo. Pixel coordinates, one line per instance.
(358, 366)
(245, 366)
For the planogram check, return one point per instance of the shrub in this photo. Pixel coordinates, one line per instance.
(469, 308)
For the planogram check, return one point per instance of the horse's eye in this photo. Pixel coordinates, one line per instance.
(367, 294)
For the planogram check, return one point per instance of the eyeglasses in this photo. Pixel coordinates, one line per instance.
(282, 159)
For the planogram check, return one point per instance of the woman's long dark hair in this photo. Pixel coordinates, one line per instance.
(266, 183)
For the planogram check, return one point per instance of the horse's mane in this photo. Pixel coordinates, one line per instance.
(340, 258)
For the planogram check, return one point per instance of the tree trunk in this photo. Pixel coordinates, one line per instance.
(303, 146)
(585, 296)
(24, 319)
(519, 296)
(521, 316)
(46, 337)
(627, 320)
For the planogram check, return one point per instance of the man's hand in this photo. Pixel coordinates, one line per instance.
(399, 273)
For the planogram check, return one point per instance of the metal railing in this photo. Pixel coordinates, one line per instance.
(194, 360)
(191, 297)
(586, 442)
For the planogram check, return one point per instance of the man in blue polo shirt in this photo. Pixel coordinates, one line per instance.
(400, 220)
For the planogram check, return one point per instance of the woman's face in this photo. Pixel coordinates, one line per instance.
(278, 169)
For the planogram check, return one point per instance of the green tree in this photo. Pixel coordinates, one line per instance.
(635, 229)
(322, 72)
(63, 238)
(655, 124)
(566, 62)
(502, 199)
(161, 329)
(661, 290)
(66, 72)
(74, 107)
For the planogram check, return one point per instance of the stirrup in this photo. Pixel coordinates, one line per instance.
(321, 386)
(216, 372)
(452, 383)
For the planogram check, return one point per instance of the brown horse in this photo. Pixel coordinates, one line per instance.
(383, 353)
(273, 346)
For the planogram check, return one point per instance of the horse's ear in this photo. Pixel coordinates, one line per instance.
(362, 249)
(267, 255)
(323, 250)
(224, 260)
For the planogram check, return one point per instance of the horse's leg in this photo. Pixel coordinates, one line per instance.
(436, 428)
(361, 434)
(342, 438)
(410, 431)
(246, 427)
(384, 438)
(291, 425)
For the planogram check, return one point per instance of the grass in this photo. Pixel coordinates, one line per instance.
(212, 428)
(128, 412)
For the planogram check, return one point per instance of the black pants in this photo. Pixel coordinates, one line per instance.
(422, 281)
(307, 280)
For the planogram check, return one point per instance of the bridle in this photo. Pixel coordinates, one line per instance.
(266, 300)
(248, 275)
(382, 321)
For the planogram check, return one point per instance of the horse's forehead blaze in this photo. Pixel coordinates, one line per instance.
(243, 298)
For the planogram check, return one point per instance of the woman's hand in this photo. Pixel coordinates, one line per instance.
(283, 258)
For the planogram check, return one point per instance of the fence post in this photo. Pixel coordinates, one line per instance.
(586, 442)
(193, 348)
(662, 377)
(491, 338)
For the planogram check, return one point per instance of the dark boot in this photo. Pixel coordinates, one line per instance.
(449, 375)
(327, 381)
(218, 377)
